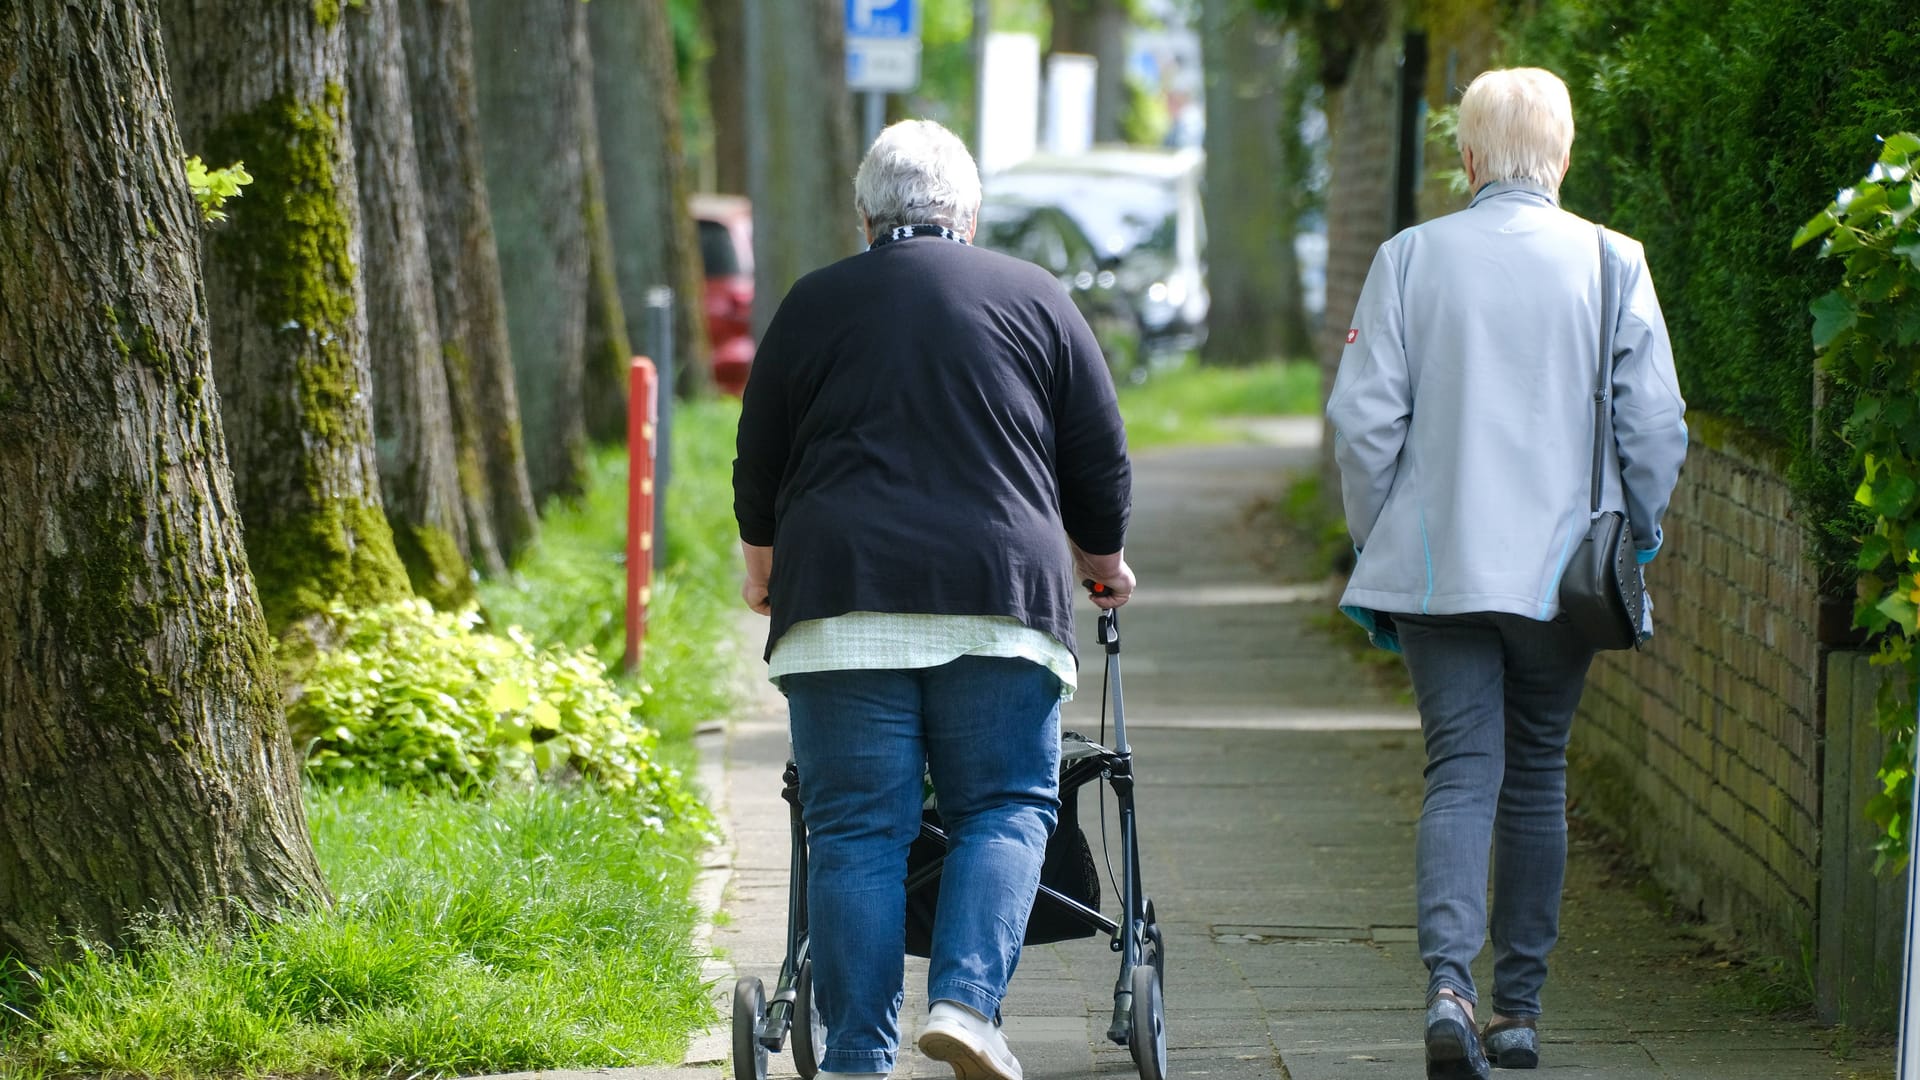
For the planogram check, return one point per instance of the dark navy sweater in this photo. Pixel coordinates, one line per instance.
(925, 424)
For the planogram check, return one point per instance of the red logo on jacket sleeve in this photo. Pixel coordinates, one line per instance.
(1353, 336)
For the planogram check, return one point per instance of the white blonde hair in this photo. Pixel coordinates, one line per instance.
(1519, 124)
(917, 173)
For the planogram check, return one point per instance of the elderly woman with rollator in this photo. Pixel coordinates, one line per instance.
(1464, 420)
(930, 456)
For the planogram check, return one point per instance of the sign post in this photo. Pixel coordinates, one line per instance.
(883, 55)
(1909, 1057)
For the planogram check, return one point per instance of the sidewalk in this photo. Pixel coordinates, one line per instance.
(1279, 784)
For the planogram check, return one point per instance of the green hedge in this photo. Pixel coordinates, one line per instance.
(1709, 130)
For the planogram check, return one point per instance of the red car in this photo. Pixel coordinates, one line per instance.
(726, 249)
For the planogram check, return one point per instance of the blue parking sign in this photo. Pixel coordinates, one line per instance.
(883, 45)
(883, 18)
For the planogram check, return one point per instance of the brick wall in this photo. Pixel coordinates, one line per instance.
(1704, 750)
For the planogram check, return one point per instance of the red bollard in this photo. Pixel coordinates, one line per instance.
(643, 415)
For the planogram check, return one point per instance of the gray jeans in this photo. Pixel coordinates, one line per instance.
(1497, 695)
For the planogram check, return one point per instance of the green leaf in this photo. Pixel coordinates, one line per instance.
(1873, 551)
(1817, 226)
(1832, 314)
(1893, 497)
(507, 696)
(1910, 249)
(1899, 609)
(1845, 238)
(1899, 147)
(1869, 200)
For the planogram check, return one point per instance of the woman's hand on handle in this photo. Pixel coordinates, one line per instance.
(1111, 572)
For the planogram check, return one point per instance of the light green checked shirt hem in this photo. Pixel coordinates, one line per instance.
(867, 640)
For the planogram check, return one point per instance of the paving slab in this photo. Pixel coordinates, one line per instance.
(1278, 790)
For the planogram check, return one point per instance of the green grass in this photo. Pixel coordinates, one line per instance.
(1192, 404)
(537, 928)
(534, 928)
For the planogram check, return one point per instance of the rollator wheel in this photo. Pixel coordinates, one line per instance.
(1148, 1040)
(809, 1031)
(749, 1008)
(1153, 949)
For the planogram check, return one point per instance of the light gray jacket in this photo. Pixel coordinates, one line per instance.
(1463, 411)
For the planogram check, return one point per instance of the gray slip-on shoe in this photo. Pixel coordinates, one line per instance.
(1453, 1046)
(1513, 1044)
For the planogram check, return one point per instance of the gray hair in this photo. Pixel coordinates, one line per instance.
(1519, 124)
(917, 173)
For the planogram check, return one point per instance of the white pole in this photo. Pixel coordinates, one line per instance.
(1910, 986)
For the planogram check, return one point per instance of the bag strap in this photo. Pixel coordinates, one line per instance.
(1603, 378)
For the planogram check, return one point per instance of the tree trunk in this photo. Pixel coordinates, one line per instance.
(265, 83)
(1096, 28)
(1252, 270)
(468, 303)
(608, 349)
(802, 145)
(1362, 115)
(144, 761)
(528, 92)
(637, 103)
(413, 419)
(727, 94)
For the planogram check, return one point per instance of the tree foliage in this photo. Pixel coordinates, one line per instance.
(1701, 126)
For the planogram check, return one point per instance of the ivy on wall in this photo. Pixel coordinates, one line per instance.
(1867, 333)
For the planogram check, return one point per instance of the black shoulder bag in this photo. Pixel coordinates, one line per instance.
(1602, 592)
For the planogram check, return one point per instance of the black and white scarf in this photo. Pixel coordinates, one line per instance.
(902, 232)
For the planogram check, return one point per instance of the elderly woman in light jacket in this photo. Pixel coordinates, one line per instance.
(1463, 416)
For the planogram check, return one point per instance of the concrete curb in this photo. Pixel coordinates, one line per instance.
(709, 1050)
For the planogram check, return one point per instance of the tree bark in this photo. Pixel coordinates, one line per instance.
(265, 82)
(801, 148)
(528, 93)
(637, 103)
(608, 348)
(1362, 113)
(1096, 28)
(413, 418)
(144, 761)
(727, 94)
(1252, 269)
(468, 300)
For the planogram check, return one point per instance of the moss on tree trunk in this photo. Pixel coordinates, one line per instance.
(287, 308)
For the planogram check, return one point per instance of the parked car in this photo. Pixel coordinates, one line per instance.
(1049, 238)
(1141, 210)
(725, 223)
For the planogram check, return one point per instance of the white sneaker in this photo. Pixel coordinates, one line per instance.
(852, 1076)
(969, 1042)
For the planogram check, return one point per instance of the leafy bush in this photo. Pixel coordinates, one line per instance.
(571, 587)
(412, 697)
(1704, 124)
(1868, 334)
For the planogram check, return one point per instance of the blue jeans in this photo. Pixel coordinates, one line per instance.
(1497, 694)
(989, 730)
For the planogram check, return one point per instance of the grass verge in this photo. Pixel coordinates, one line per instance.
(1191, 404)
(536, 927)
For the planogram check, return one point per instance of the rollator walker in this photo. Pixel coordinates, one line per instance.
(761, 1024)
